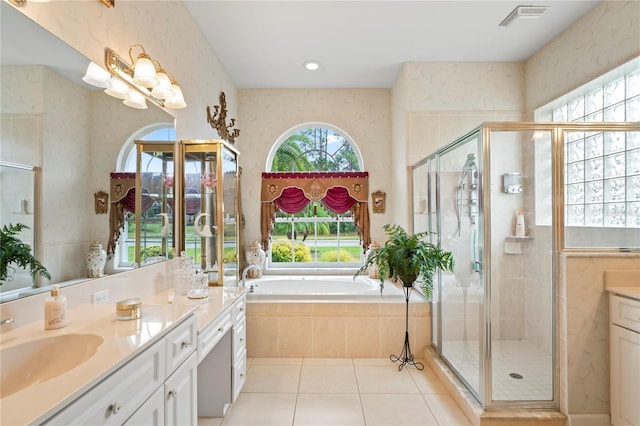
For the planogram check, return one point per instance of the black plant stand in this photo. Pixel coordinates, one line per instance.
(406, 357)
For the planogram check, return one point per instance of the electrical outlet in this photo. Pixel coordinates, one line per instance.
(100, 297)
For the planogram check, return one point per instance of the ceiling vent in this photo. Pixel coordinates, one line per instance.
(524, 12)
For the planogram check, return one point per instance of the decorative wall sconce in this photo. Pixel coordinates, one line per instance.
(378, 200)
(219, 121)
(133, 83)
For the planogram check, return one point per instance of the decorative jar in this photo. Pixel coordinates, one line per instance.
(96, 259)
(256, 257)
(374, 271)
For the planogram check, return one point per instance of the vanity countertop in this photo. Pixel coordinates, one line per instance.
(627, 291)
(123, 340)
(623, 282)
(208, 309)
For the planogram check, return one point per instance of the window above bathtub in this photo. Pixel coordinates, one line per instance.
(316, 237)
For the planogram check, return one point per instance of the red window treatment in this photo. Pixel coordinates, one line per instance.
(123, 199)
(292, 200)
(340, 192)
(338, 200)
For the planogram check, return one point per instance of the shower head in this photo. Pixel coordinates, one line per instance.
(470, 163)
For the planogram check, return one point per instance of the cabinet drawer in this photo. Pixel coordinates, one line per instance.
(116, 398)
(239, 374)
(181, 342)
(239, 307)
(625, 312)
(239, 337)
(212, 334)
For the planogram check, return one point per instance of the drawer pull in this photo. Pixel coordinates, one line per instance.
(115, 407)
(221, 329)
(173, 393)
(185, 344)
(241, 309)
(241, 339)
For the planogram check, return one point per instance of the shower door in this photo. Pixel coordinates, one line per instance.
(461, 293)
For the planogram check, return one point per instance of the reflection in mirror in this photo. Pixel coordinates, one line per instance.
(154, 225)
(68, 130)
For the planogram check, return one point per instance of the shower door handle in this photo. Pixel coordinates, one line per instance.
(476, 265)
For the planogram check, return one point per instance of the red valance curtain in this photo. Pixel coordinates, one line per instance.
(338, 191)
(123, 199)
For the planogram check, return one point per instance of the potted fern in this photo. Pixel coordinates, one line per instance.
(408, 258)
(14, 251)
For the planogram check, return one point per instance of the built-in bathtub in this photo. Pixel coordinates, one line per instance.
(324, 288)
(332, 317)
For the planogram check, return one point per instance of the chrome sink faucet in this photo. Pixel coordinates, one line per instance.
(6, 321)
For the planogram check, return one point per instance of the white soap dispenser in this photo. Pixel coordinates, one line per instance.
(55, 309)
(520, 231)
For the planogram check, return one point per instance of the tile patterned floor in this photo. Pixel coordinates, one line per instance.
(339, 391)
(509, 356)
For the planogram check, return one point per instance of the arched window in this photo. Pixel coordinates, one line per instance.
(315, 147)
(316, 232)
(124, 255)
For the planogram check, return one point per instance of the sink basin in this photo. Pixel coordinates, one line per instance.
(37, 361)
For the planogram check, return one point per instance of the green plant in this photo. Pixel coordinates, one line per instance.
(332, 256)
(281, 252)
(14, 251)
(408, 258)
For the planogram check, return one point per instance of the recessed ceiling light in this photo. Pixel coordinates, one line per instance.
(522, 12)
(311, 65)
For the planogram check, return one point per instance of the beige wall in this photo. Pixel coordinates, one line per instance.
(606, 37)
(364, 114)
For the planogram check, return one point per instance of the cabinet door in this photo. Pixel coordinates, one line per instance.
(625, 376)
(181, 400)
(115, 399)
(151, 413)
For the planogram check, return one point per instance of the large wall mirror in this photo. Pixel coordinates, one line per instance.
(69, 136)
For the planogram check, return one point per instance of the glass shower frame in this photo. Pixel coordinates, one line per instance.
(556, 133)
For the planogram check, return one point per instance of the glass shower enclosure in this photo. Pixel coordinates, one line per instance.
(493, 317)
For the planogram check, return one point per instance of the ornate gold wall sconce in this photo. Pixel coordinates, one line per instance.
(219, 121)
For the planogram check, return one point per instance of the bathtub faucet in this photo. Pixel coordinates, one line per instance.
(244, 273)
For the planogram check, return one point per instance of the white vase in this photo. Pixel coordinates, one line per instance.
(374, 271)
(255, 256)
(164, 232)
(96, 259)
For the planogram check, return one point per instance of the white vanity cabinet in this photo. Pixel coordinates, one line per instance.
(138, 392)
(239, 346)
(181, 401)
(624, 335)
(222, 360)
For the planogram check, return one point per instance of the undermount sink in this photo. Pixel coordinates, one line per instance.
(37, 361)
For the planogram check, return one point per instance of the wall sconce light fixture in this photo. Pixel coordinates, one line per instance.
(219, 121)
(143, 78)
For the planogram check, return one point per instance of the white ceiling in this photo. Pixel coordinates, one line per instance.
(363, 44)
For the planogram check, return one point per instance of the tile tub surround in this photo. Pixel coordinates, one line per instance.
(335, 330)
